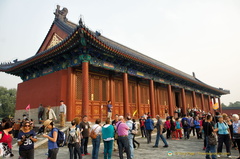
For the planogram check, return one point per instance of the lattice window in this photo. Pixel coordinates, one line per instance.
(104, 89)
(79, 86)
(133, 94)
(121, 91)
(116, 91)
(96, 89)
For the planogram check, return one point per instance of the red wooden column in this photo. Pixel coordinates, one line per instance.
(220, 105)
(126, 107)
(85, 88)
(214, 102)
(71, 94)
(184, 105)
(202, 102)
(152, 99)
(209, 104)
(112, 97)
(170, 110)
(194, 99)
(140, 113)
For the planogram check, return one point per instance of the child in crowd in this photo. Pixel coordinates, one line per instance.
(178, 129)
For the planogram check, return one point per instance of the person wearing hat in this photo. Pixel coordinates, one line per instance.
(52, 139)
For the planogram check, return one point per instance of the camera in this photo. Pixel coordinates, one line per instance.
(28, 135)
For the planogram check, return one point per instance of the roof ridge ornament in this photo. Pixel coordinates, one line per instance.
(61, 14)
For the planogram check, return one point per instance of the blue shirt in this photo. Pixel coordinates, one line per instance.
(222, 128)
(178, 125)
(28, 143)
(188, 121)
(52, 145)
(109, 107)
(149, 124)
(197, 123)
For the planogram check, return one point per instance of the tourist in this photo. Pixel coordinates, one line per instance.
(135, 130)
(50, 113)
(149, 124)
(159, 127)
(230, 125)
(40, 113)
(109, 108)
(208, 130)
(123, 144)
(129, 123)
(223, 136)
(108, 138)
(16, 128)
(6, 136)
(52, 139)
(204, 119)
(85, 129)
(178, 129)
(236, 131)
(168, 127)
(73, 141)
(173, 128)
(186, 125)
(197, 127)
(192, 126)
(97, 128)
(26, 139)
(114, 122)
(62, 111)
(142, 126)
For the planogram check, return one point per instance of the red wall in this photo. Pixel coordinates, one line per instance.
(46, 90)
(231, 111)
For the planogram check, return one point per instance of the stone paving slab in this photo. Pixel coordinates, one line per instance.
(180, 149)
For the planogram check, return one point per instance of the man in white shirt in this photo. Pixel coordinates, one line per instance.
(63, 111)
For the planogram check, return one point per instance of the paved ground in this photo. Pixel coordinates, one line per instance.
(180, 149)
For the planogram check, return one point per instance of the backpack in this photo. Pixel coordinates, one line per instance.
(185, 123)
(93, 134)
(61, 138)
(72, 137)
(134, 129)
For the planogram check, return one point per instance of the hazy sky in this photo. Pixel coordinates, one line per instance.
(198, 36)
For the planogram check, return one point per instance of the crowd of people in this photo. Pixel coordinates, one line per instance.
(119, 134)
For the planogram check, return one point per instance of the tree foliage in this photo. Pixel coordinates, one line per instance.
(235, 104)
(7, 101)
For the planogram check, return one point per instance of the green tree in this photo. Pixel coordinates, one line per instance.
(7, 101)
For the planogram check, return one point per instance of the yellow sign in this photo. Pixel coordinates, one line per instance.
(215, 106)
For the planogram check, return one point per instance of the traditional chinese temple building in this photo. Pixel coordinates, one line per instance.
(86, 69)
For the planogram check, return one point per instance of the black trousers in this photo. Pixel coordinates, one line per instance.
(238, 144)
(74, 151)
(226, 140)
(149, 136)
(52, 153)
(134, 141)
(168, 133)
(192, 129)
(84, 144)
(26, 154)
(143, 131)
(199, 134)
(124, 144)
